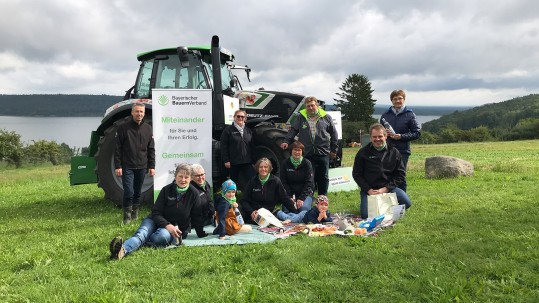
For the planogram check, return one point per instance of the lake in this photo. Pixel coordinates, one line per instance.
(73, 131)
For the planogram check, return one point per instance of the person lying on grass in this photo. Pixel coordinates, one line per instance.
(318, 214)
(176, 208)
(229, 218)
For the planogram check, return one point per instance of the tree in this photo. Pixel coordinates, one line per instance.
(356, 102)
(11, 149)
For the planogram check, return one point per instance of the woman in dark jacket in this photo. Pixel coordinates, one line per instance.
(405, 126)
(236, 151)
(297, 177)
(263, 191)
(176, 208)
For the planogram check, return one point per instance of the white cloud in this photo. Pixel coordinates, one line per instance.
(451, 52)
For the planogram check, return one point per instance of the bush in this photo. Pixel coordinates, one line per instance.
(11, 149)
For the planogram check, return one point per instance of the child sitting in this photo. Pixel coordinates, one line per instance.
(229, 218)
(318, 214)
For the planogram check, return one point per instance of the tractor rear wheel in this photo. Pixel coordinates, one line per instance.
(107, 179)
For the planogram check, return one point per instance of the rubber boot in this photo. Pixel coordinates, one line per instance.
(134, 213)
(127, 214)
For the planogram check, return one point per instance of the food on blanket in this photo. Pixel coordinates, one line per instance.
(322, 230)
(360, 231)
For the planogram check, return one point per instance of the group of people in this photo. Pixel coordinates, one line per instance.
(187, 204)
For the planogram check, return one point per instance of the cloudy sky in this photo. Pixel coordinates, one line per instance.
(441, 52)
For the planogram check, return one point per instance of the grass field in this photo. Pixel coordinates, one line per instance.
(469, 239)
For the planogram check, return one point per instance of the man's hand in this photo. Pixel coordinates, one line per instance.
(284, 145)
(227, 164)
(396, 136)
(118, 172)
(299, 203)
(254, 214)
(151, 172)
(332, 155)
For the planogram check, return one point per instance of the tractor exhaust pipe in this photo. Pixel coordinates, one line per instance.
(218, 112)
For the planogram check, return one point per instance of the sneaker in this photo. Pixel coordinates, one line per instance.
(116, 248)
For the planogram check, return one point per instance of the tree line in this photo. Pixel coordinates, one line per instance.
(515, 119)
(14, 153)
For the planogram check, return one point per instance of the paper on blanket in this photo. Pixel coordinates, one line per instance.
(398, 211)
(266, 218)
(382, 205)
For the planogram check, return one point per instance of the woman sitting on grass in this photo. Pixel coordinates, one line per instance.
(176, 207)
(263, 191)
(318, 214)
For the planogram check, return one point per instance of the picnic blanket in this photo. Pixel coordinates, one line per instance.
(271, 233)
(255, 236)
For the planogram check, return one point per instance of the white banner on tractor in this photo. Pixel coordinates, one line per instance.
(182, 129)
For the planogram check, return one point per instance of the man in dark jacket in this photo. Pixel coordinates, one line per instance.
(316, 131)
(405, 125)
(134, 155)
(378, 169)
(236, 148)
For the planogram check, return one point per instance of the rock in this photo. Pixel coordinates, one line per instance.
(447, 167)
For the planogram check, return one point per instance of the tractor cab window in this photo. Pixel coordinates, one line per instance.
(226, 74)
(171, 74)
(142, 86)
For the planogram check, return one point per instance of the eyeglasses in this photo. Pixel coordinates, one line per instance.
(397, 98)
(240, 117)
(200, 175)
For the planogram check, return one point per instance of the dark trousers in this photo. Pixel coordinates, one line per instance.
(245, 169)
(321, 167)
(132, 180)
(404, 158)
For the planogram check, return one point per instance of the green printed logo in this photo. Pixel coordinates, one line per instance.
(163, 100)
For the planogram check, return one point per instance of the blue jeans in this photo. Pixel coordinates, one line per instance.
(404, 158)
(294, 218)
(132, 180)
(148, 234)
(307, 204)
(320, 167)
(402, 198)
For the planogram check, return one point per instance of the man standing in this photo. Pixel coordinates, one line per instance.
(378, 169)
(404, 123)
(316, 131)
(134, 155)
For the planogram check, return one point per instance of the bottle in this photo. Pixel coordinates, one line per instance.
(239, 217)
(388, 126)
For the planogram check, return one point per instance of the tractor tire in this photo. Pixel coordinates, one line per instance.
(268, 144)
(106, 177)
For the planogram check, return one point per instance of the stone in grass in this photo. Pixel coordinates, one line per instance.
(447, 167)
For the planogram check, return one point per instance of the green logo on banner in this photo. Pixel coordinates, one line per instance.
(163, 100)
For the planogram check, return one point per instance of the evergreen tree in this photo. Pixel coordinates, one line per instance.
(356, 103)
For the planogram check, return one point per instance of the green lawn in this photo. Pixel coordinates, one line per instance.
(464, 240)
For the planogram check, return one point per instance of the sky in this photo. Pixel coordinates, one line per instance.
(444, 53)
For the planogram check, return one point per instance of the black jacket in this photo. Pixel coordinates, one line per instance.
(256, 196)
(134, 146)
(235, 148)
(311, 216)
(376, 169)
(405, 124)
(183, 211)
(206, 202)
(297, 181)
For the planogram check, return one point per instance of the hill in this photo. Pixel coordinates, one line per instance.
(56, 105)
(503, 115)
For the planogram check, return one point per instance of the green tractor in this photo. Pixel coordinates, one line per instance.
(193, 67)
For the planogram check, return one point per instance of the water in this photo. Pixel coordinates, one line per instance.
(73, 131)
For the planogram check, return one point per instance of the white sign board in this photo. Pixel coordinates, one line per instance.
(182, 129)
(336, 116)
